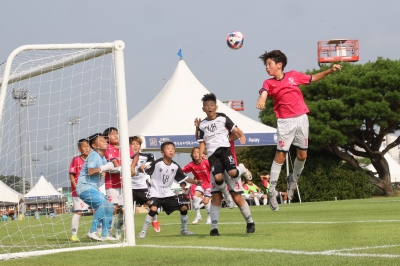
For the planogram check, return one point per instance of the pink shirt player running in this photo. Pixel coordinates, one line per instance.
(288, 99)
(75, 170)
(200, 171)
(113, 180)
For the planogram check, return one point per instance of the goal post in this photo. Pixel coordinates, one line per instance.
(86, 79)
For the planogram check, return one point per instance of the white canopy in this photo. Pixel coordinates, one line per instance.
(43, 190)
(170, 116)
(394, 168)
(8, 194)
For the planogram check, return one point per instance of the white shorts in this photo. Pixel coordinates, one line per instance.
(206, 192)
(115, 196)
(79, 205)
(234, 184)
(293, 130)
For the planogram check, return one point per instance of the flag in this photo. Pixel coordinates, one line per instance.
(180, 53)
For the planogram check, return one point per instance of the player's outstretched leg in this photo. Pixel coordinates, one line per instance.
(184, 221)
(245, 210)
(156, 224)
(75, 226)
(196, 206)
(147, 222)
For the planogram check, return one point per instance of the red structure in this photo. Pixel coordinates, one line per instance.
(237, 105)
(336, 50)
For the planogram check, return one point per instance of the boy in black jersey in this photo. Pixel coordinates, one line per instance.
(213, 133)
(164, 172)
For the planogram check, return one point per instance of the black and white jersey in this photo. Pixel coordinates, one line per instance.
(139, 179)
(162, 177)
(215, 133)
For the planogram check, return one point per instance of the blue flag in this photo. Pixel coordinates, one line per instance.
(180, 53)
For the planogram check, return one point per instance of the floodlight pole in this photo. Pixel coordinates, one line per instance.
(48, 148)
(29, 101)
(35, 159)
(73, 120)
(18, 95)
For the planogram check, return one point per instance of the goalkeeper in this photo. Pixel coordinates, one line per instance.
(87, 188)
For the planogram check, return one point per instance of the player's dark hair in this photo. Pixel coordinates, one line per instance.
(165, 144)
(275, 55)
(79, 143)
(135, 138)
(183, 183)
(191, 153)
(209, 97)
(93, 138)
(108, 131)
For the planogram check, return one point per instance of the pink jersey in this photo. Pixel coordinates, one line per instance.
(200, 171)
(75, 169)
(288, 99)
(114, 180)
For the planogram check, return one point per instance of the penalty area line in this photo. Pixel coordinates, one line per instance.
(291, 252)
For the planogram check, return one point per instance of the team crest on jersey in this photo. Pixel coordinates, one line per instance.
(161, 170)
(172, 171)
(291, 81)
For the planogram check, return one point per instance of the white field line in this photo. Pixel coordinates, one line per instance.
(308, 222)
(292, 252)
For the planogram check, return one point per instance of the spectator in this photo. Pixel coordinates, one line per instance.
(265, 182)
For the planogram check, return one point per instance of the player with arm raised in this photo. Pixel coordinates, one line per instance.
(291, 112)
(140, 189)
(214, 132)
(164, 172)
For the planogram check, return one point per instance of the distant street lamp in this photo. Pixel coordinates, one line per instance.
(48, 148)
(73, 120)
(29, 101)
(35, 159)
(18, 95)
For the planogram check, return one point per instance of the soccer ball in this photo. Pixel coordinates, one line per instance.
(235, 40)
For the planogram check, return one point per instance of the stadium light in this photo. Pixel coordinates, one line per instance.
(35, 159)
(48, 148)
(18, 95)
(29, 101)
(73, 120)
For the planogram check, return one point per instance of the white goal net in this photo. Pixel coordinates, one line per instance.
(51, 97)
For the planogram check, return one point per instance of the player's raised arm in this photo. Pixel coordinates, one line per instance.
(325, 73)
(261, 100)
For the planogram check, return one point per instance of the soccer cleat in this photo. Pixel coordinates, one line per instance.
(273, 203)
(214, 232)
(94, 236)
(108, 237)
(197, 219)
(208, 220)
(118, 234)
(156, 226)
(142, 234)
(250, 228)
(243, 172)
(186, 232)
(292, 186)
(74, 238)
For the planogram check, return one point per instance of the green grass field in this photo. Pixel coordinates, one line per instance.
(354, 232)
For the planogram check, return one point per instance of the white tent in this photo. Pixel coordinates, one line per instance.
(43, 190)
(8, 194)
(170, 116)
(394, 168)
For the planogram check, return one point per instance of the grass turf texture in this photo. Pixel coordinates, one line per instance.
(354, 232)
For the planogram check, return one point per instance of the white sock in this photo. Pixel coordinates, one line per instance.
(265, 201)
(275, 171)
(75, 224)
(245, 210)
(196, 203)
(285, 201)
(222, 188)
(208, 207)
(214, 214)
(184, 221)
(147, 223)
(256, 201)
(298, 167)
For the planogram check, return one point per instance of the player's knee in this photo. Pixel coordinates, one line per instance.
(152, 213)
(219, 181)
(184, 212)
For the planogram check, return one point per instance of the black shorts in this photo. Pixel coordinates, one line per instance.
(221, 160)
(169, 204)
(141, 196)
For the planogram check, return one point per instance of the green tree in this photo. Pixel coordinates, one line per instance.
(14, 182)
(352, 111)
